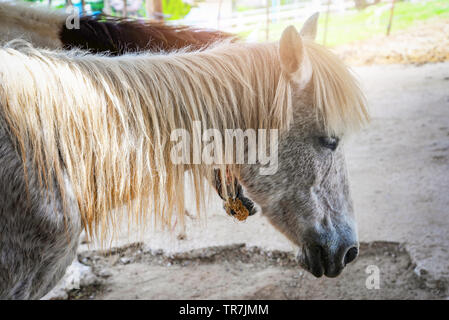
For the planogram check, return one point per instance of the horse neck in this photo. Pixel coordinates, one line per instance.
(33, 24)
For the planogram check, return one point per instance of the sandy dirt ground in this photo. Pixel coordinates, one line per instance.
(238, 272)
(399, 170)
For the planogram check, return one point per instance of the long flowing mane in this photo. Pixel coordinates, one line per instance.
(105, 122)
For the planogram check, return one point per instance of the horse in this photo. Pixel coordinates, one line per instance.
(82, 135)
(56, 29)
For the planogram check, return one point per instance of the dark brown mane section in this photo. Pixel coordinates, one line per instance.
(117, 36)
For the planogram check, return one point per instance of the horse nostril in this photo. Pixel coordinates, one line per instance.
(351, 254)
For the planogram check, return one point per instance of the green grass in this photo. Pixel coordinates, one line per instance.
(356, 25)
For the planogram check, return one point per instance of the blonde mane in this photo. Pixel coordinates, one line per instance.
(105, 122)
(337, 95)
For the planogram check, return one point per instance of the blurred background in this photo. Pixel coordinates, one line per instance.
(344, 24)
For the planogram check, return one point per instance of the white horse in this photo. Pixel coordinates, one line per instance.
(82, 135)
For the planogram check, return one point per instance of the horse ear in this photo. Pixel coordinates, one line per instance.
(309, 29)
(291, 50)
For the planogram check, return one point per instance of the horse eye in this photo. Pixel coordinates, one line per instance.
(329, 142)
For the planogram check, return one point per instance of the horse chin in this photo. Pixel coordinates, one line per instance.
(315, 268)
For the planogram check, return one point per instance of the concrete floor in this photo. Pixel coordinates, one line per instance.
(400, 165)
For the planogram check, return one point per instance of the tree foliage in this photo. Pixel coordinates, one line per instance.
(175, 9)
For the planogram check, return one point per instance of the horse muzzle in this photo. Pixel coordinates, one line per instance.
(329, 260)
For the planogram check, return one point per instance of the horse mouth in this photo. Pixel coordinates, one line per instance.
(317, 271)
(314, 261)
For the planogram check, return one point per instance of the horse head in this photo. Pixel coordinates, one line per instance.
(308, 198)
